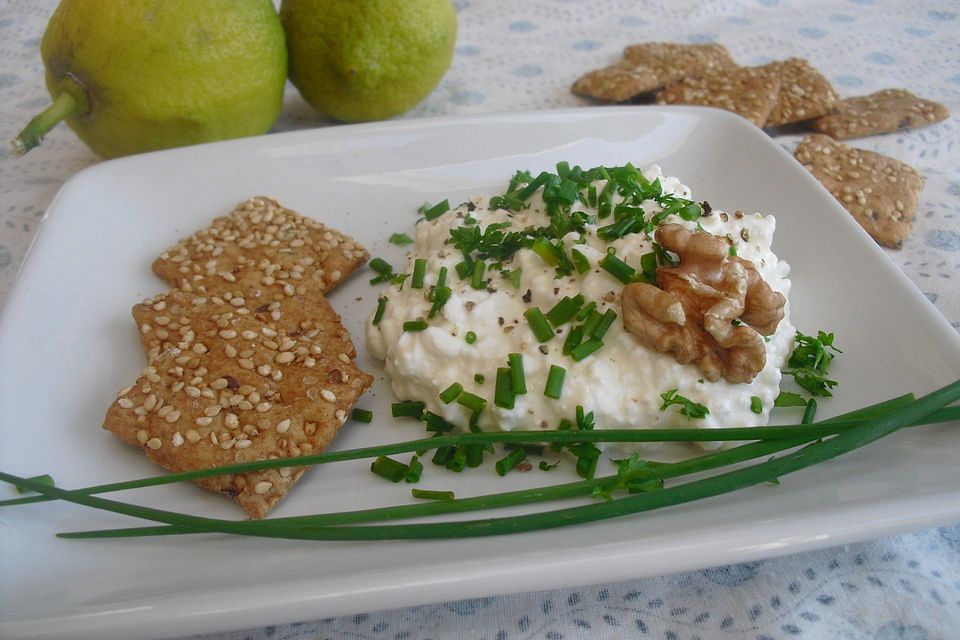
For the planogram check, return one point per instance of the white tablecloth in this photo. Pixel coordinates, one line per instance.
(514, 55)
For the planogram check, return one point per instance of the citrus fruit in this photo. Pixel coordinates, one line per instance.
(138, 76)
(356, 60)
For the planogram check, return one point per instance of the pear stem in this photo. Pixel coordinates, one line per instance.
(64, 105)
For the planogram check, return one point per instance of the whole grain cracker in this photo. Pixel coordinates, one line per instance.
(233, 385)
(260, 245)
(648, 67)
(804, 92)
(879, 192)
(880, 112)
(751, 92)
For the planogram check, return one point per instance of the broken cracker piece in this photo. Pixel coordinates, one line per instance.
(880, 112)
(260, 245)
(879, 192)
(650, 66)
(804, 92)
(238, 386)
(751, 92)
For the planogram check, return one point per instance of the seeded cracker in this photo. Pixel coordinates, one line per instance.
(751, 92)
(648, 67)
(880, 112)
(260, 245)
(233, 384)
(804, 92)
(879, 192)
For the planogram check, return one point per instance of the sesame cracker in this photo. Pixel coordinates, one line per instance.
(880, 112)
(751, 92)
(804, 92)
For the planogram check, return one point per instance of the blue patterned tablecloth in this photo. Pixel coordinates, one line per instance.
(516, 55)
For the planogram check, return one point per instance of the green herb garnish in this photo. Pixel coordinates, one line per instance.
(400, 239)
(687, 406)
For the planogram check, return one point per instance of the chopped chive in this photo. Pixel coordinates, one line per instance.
(513, 276)
(415, 325)
(477, 280)
(361, 415)
(564, 310)
(445, 496)
(604, 325)
(442, 278)
(440, 297)
(538, 324)
(408, 409)
(584, 313)
(458, 462)
(585, 349)
(478, 378)
(809, 412)
(510, 461)
(415, 468)
(546, 250)
(389, 468)
(450, 394)
(592, 323)
(400, 239)
(503, 395)
(580, 261)
(474, 455)
(436, 210)
(419, 271)
(587, 466)
(470, 338)
(573, 339)
(555, 382)
(381, 307)
(732, 250)
(436, 422)
(648, 265)
(617, 268)
(471, 401)
(517, 380)
(756, 405)
(443, 455)
(381, 266)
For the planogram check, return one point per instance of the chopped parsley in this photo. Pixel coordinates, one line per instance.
(400, 239)
(809, 362)
(687, 406)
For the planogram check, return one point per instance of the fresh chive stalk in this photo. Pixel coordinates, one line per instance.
(617, 268)
(585, 349)
(423, 494)
(472, 402)
(451, 393)
(415, 325)
(509, 462)
(408, 409)
(565, 310)
(389, 468)
(362, 415)
(419, 272)
(503, 394)
(381, 308)
(517, 380)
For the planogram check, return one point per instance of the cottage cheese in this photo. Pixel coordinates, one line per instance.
(621, 383)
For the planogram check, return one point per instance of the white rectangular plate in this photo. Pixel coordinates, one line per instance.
(67, 343)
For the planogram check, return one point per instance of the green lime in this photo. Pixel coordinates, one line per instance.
(138, 76)
(357, 60)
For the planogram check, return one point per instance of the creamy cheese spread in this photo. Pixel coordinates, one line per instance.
(621, 383)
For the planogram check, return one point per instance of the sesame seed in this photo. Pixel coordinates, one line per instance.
(204, 421)
(125, 403)
(283, 425)
(243, 443)
(193, 435)
(219, 383)
(285, 357)
(142, 436)
(154, 443)
(328, 395)
(192, 391)
(212, 410)
(199, 348)
(264, 369)
(162, 320)
(172, 417)
(150, 403)
(228, 444)
(245, 363)
(263, 487)
(245, 406)
(344, 358)
(263, 407)
(228, 334)
(163, 411)
(177, 439)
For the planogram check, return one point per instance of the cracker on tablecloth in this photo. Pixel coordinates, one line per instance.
(649, 66)
(751, 92)
(233, 384)
(879, 192)
(260, 244)
(880, 112)
(804, 92)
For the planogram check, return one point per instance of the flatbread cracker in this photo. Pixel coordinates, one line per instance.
(260, 245)
(880, 112)
(879, 192)
(232, 384)
(804, 92)
(648, 67)
(751, 92)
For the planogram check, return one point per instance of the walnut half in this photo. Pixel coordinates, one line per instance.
(690, 313)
